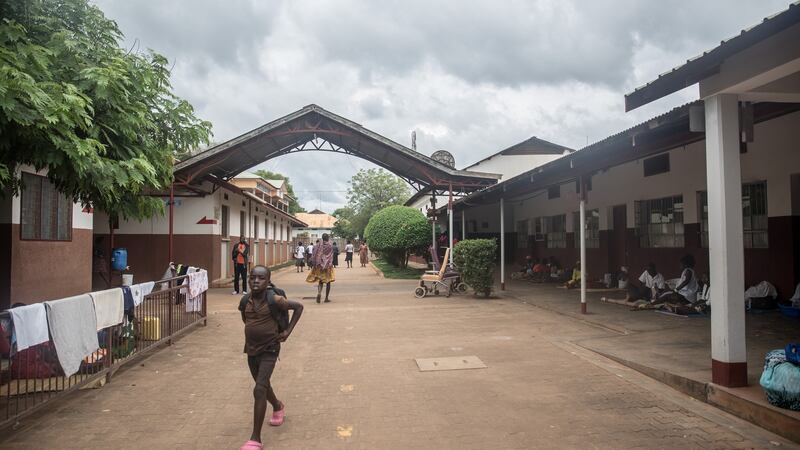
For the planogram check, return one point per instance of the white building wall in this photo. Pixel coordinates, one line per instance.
(511, 165)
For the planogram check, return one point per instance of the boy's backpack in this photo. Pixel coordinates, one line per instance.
(281, 317)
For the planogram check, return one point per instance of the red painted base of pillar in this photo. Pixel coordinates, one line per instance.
(503, 286)
(729, 374)
(583, 308)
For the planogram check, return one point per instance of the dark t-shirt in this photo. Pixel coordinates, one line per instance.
(260, 328)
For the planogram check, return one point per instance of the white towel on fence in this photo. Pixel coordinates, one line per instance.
(73, 326)
(30, 325)
(198, 282)
(109, 307)
(140, 290)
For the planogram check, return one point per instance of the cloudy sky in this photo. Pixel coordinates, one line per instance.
(471, 77)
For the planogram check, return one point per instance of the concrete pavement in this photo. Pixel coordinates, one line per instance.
(349, 380)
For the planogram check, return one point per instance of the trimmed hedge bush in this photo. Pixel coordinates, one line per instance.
(474, 259)
(396, 232)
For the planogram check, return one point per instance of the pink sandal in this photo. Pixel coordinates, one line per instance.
(251, 445)
(278, 416)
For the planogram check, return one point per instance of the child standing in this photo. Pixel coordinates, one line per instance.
(348, 254)
(263, 313)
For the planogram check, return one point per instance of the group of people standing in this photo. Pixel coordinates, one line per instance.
(322, 258)
(304, 255)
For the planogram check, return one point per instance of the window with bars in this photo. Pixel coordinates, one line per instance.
(522, 233)
(592, 228)
(556, 230)
(45, 213)
(255, 227)
(226, 220)
(754, 216)
(659, 222)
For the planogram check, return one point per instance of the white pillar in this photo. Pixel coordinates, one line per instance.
(583, 249)
(433, 234)
(726, 246)
(450, 225)
(502, 246)
(463, 225)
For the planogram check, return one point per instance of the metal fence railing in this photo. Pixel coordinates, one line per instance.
(33, 377)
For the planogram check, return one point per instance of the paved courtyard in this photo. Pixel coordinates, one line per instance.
(349, 380)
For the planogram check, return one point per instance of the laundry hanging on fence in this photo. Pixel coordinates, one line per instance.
(198, 283)
(127, 296)
(108, 307)
(73, 326)
(30, 325)
(138, 291)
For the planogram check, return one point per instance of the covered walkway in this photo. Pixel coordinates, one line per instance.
(349, 380)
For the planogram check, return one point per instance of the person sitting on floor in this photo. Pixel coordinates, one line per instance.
(527, 266)
(685, 293)
(539, 271)
(556, 273)
(575, 279)
(649, 285)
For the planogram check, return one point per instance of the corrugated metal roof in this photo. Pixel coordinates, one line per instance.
(706, 64)
(295, 131)
(531, 146)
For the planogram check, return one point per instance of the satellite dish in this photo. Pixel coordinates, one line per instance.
(444, 157)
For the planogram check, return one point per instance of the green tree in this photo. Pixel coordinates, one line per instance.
(397, 232)
(343, 227)
(294, 206)
(372, 190)
(101, 120)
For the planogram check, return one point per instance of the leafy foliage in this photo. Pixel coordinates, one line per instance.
(343, 227)
(102, 121)
(294, 206)
(369, 192)
(397, 232)
(475, 259)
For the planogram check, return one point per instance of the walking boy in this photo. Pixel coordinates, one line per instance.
(264, 313)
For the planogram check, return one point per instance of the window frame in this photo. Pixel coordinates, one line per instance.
(592, 234)
(60, 198)
(556, 238)
(225, 222)
(644, 230)
(747, 234)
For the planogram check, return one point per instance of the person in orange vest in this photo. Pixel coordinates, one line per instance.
(239, 255)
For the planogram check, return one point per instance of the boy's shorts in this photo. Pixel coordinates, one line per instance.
(262, 365)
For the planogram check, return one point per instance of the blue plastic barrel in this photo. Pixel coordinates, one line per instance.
(119, 259)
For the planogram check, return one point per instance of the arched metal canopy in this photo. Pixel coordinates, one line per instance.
(314, 128)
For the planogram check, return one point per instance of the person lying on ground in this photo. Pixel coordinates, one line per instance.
(264, 313)
(649, 285)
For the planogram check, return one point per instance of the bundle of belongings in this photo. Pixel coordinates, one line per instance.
(781, 377)
(761, 296)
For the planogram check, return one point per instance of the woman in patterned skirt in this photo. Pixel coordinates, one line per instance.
(323, 272)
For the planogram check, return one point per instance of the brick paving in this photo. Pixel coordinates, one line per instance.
(349, 380)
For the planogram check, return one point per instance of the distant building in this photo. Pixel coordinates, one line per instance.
(318, 222)
(509, 162)
(273, 192)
